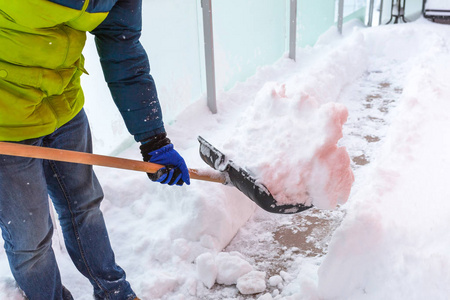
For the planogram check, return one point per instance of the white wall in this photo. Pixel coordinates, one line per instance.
(171, 36)
(313, 19)
(247, 34)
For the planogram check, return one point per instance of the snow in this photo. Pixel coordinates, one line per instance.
(230, 267)
(253, 282)
(371, 106)
(206, 269)
(275, 280)
(393, 241)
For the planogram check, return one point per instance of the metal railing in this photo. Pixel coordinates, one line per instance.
(292, 29)
(209, 56)
(209, 47)
(208, 34)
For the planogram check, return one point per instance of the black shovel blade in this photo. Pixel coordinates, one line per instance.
(211, 156)
(244, 182)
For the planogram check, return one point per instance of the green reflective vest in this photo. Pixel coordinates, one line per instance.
(40, 65)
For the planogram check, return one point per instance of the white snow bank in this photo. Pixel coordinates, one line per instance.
(394, 242)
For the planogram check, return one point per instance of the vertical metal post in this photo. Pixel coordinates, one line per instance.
(340, 15)
(293, 29)
(209, 55)
(381, 13)
(371, 6)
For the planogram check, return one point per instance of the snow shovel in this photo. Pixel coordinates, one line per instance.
(244, 182)
(231, 174)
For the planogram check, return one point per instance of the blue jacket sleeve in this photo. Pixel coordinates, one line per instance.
(127, 71)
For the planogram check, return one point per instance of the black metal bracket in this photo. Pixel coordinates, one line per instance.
(397, 11)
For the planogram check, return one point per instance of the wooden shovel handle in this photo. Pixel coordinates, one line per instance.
(96, 160)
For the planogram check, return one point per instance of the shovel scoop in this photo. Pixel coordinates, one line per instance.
(244, 181)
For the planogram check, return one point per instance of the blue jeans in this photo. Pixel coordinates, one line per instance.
(25, 185)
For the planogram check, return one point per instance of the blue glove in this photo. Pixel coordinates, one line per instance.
(175, 172)
(159, 150)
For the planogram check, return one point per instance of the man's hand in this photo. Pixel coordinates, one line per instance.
(159, 150)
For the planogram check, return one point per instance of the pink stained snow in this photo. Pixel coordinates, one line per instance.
(308, 167)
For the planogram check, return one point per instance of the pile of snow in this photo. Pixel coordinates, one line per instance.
(228, 269)
(288, 133)
(394, 242)
(232, 269)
